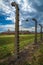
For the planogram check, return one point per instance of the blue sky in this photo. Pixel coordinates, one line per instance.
(28, 9)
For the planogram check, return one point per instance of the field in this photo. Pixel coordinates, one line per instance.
(7, 43)
(7, 47)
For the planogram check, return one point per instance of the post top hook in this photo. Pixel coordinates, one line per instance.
(13, 3)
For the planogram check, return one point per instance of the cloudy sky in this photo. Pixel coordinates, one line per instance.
(28, 9)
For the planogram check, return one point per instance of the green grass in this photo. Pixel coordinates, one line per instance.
(7, 46)
(7, 43)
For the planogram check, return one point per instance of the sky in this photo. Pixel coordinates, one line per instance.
(28, 9)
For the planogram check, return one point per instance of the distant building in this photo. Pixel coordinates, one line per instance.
(13, 32)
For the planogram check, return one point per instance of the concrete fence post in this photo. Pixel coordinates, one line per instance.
(35, 30)
(16, 29)
(40, 31)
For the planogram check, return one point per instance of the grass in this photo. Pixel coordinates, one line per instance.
(7, 43)
(7, 46)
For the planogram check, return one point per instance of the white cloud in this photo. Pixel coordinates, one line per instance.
(27, 29)
(8, 9)
(11, 27)
(30, 29)
(18, 1)
(11, 18)
(27, 7)
(38, 2)
(11, 12)
(5, 8)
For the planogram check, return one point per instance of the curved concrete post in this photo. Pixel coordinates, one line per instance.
(16, 29)
(40, 31)
(35, 30)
